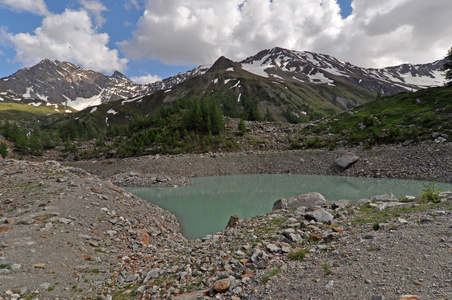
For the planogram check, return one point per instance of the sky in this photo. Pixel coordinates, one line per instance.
(148, 40)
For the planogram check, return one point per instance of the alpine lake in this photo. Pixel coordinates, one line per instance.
(205, 206)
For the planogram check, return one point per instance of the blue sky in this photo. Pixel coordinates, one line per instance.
(152, 39)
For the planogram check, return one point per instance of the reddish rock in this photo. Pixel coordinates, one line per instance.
(97, 191)
(409, 297)
(316, 237)
(4, 228)
(39, 266)
(338, 229)
(221, 286)
(142, 236)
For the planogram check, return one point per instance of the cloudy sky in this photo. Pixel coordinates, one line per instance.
(152, 39)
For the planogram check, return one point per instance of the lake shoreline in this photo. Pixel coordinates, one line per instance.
(426, 161)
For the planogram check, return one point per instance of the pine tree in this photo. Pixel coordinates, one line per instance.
(448, 67)
(3, 149)
(241, 127)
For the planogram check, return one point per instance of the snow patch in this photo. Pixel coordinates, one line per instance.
(215, 81)
(93, 109)
(131, 100)
(230, 69)
(36, 104)
(167, 91)
(67, 111)
(81, 103)
(235, 85)
(319, 78)
(239, 98)
(226, 81)
(112, 111)
(28, 92)
(257, 67)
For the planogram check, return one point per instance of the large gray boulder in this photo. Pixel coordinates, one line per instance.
(308, 199)
(345, 161)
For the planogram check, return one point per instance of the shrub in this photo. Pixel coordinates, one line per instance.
(430, 193)
(299, 255)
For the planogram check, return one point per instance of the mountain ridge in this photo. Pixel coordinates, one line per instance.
(78, 87)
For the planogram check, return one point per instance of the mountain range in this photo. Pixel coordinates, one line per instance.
(278, 79)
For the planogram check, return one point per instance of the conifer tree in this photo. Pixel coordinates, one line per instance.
(242, 127)
(448, 67)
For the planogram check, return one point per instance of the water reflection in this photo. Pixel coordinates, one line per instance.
(205, 206)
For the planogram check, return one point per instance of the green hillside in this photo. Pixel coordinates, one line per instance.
(410, 116)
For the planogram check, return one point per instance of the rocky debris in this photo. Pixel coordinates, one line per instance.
(74, 235)
(308, 199)
(147, 180)
(345, 161)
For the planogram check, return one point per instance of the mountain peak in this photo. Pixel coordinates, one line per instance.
(223, 64)
(118, 75)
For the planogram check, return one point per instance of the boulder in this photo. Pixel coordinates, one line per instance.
(233, 221)
(345, 161)
(221, 286)
(319, 215)
(301, 200)
(384, 198)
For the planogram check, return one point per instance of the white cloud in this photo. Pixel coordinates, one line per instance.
(146, 79)
(96, 8)
(69, 36)
(376, 34)
(37, 7)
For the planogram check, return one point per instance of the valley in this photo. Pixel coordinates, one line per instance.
(71, 138)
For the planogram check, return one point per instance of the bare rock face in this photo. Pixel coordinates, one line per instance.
(308, 199)
(345, 161)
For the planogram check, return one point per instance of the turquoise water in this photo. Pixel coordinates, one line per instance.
(204, 207)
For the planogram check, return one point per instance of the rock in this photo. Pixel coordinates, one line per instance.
(142, 236)
(221, 286)
(1, 158)
(298, 201)
(272, 248)
(45, 285)
(378, 297)
(384, 198)
(345, 161)
(192, 296)
(233, 221)
(409, 297)
(319, 215)
(341, 204)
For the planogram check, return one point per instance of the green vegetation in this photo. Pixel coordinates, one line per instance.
(448, 67)
(270, 274)
(298, 255)
(241, 127)
(430, 193)
(409, 116)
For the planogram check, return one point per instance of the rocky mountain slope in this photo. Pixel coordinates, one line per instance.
(304, 66)
(72, 85)
(313, 75)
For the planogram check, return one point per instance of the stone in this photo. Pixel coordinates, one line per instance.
(384, 198)
(319, 215)
(341, 204)
(308, 199)
(345, 161)
(272, 248)
(192, 296)
(39, 266)
(222, 286)
(409, 297)
(142, 236)
(233, 221)
(45, 285)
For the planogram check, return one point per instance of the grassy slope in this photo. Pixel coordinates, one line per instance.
(396, 118)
